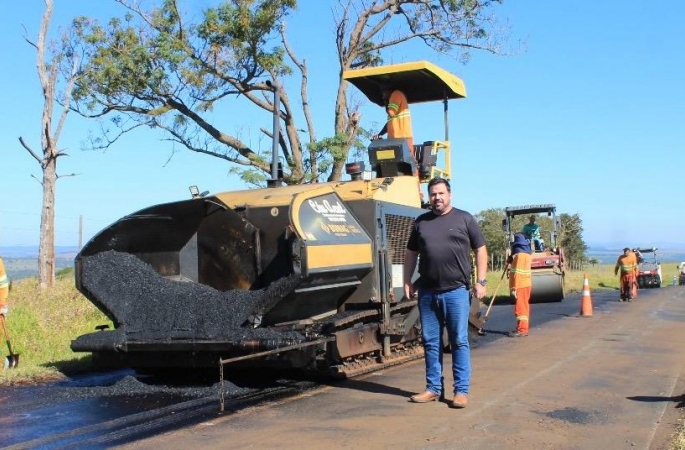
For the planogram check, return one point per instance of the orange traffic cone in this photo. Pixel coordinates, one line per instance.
(586, 299)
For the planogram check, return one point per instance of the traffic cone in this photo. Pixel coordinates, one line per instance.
(586, 299)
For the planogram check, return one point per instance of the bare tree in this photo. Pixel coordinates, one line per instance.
(49, 75)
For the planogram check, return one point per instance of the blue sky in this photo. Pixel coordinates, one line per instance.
(589, 115)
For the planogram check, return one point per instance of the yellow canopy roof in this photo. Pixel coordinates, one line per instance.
(420, 81)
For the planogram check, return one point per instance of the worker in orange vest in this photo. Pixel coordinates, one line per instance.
(398, 125)
(4, 289)
(520, 283)
(627, 265)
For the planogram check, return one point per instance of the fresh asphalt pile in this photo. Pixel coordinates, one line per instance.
(148, 307)
(117, 384)
(130, 385)
(138, 393)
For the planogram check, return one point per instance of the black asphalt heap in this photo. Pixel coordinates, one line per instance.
(150, 308)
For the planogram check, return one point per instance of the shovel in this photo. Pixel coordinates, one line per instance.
(492, 302)
(11, 360)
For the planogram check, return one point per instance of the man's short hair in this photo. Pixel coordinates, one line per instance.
(438, 180)
(626, 249)
(532, 217)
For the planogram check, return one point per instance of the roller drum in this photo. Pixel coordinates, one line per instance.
(547, 287)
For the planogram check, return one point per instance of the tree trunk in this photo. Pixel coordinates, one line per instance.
(46, 251)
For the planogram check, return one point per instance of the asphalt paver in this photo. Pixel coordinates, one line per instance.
(610, 381)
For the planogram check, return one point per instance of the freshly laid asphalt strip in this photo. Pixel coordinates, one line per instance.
(150, 308)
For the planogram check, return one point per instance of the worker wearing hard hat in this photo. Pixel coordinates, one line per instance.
(627, 265)
(520, 283)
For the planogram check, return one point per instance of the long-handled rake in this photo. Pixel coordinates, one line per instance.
(492, 302)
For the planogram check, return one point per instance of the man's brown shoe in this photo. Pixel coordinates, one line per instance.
(424, 397)
(460, 401)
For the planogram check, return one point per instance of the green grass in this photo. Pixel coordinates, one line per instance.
(42, 325)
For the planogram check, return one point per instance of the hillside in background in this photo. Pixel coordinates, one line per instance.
(22, 261)
(31, 251)
(20, 268)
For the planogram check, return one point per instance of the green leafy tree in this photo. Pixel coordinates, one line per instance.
(158, 69)
(490, 222)
(571, 238)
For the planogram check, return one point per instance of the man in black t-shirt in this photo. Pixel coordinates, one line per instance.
(444, 239)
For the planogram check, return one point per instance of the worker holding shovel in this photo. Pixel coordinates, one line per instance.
(520, 283)
(11, 360)
(4, 289)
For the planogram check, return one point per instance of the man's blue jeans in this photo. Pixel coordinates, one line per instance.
(446, 310)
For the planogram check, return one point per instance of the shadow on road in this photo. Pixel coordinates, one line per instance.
(486, 331)
(370, 386)
(680, 399)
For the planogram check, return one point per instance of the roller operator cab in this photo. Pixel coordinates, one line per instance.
(548, 268)
(306, 276)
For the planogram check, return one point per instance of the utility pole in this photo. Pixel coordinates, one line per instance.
(80, 232)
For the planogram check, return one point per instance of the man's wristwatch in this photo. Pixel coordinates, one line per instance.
(482, 282)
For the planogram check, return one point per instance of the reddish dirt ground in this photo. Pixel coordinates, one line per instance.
(610, 381)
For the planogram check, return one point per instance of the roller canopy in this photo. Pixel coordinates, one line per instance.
(530, 209)
(420, 81)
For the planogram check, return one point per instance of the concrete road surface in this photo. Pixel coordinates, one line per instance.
(610, 381)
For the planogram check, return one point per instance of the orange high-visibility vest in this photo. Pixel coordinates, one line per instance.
(399, 119)
(519, 272)
(4, 284)
(627, 263)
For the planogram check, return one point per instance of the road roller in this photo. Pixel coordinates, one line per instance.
(306, 276)
(548, 264)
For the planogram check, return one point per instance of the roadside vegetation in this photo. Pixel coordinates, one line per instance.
(42, 324)
(678, 442)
